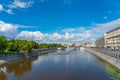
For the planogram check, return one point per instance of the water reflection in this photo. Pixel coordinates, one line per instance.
(3, 75)
(39, 60)
(19, 68)
(114, 72)
(77, 65)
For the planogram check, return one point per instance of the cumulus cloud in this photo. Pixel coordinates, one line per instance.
(8, 30)
(85, 34)
(68, 36)
(43, 38)
(56, 36)
(9, 11)
(27, 35)
(20, 4)
(1, 7)
(80, 34)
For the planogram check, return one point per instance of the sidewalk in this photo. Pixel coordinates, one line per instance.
(115, 54)
(112, 60)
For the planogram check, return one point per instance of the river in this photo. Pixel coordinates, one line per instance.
(76, 65)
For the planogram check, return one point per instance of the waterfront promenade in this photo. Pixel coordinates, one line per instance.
(110, 57)
(112, 53)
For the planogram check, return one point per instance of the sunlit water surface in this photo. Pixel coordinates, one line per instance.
(76, 65)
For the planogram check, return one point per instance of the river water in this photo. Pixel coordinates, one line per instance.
(76, 65)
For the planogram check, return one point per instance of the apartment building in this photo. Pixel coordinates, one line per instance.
(112, 39)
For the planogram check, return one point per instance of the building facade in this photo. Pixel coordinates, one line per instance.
(112, 39)
(90, 44)
(100, 42)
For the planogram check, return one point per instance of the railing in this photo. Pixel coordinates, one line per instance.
(33, 53)
(3, 55)
(115, 54)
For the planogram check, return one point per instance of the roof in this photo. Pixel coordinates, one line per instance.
(113, 30)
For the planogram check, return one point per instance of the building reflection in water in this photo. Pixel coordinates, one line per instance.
(19, 68)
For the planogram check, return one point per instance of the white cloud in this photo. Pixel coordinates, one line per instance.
(8, 30)
(56, 36)
(9, 11)
(79, 29)
(105, 17)
(68, 36)
(90, 33)
(95, 30)
(68, 30)
(20, 4)
(27, 35)
(39, 60)
(1, 7)
(16, 4)
(80, 34)
(44, 38)
(85, 36)
(104, 27)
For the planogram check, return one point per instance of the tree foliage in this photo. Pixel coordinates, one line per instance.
(3, 44)
(21, 46)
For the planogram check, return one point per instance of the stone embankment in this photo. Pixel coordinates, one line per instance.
(33, 53)
(112, 60)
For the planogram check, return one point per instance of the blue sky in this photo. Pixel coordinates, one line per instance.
(61, 20)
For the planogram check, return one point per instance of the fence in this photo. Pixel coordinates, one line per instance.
(115, 54)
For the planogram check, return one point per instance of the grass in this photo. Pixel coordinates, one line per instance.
(113, 71)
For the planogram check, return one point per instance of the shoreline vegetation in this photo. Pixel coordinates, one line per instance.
(111, 69)
(110, 64)
(19, 49)
(115, 72)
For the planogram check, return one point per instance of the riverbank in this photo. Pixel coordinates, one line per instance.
(33, 53)
(112, 60)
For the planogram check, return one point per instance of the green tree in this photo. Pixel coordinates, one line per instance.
(3, 44)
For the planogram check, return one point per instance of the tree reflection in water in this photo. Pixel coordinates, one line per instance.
(3, 76)
(19, 68)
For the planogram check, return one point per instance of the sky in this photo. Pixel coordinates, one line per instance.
(58, 21)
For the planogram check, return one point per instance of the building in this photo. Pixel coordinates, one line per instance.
(100, 42)
(90, 44)
(112, 39)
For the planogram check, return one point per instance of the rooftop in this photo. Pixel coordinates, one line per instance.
(113, 30)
